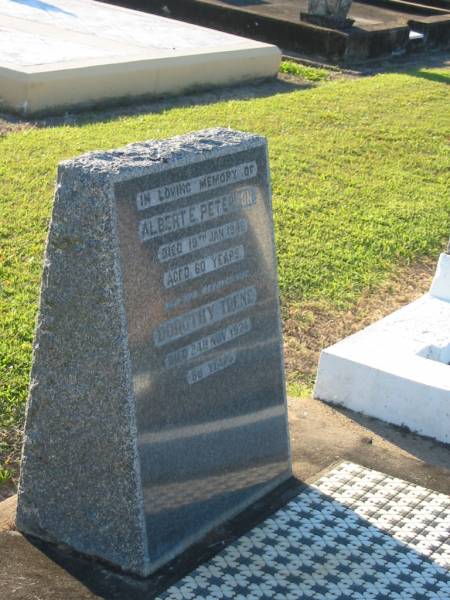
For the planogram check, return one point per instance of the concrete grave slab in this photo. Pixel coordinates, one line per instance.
(381, 27)
(66, 53)
(157, 406)
(397, 369)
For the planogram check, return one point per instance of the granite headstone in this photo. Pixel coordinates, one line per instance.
(157, 405)
(328, 13)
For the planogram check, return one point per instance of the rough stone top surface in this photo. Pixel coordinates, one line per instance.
(158, 155)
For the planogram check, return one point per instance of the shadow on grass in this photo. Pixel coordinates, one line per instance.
(408, 64)
(126, 107)
(314, 545)
(437, 77)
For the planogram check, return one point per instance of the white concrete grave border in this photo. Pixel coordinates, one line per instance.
(64, 53)
(397, 369)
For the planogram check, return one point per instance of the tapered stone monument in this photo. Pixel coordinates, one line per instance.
(157, 405)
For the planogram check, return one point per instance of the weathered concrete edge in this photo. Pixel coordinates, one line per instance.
(436, 30)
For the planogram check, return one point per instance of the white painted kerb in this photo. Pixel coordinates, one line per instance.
(440, 287)
(397, 369)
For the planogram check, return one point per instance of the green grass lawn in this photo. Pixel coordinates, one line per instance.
(360, 172)
(310, 73)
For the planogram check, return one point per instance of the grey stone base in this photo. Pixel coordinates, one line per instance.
(325, 21)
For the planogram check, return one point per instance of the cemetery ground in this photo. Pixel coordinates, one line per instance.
(361, 195)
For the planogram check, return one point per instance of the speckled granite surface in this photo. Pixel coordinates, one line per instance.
(157, 405)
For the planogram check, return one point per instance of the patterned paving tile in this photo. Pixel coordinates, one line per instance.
(355, 534)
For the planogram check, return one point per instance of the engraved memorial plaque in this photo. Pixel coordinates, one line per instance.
(191, 320)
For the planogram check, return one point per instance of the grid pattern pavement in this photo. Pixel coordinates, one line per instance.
(355, 534)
